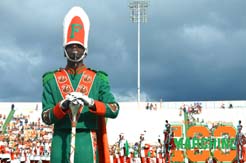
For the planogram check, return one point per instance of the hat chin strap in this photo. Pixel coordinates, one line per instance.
(76, 59)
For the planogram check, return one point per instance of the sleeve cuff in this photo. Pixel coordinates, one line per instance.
(58, 113)
(100, 108)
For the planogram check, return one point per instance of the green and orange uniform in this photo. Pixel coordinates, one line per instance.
(91, 144)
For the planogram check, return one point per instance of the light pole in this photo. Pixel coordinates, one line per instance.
(138, 15)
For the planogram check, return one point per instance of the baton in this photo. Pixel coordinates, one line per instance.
(75, 110)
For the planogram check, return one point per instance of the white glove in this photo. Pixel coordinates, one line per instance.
(64, 104)
(69, 99)
(85, 99)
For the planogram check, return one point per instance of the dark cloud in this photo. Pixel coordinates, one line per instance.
(190, 50)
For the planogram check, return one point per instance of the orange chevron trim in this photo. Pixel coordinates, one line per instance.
(63, 82)
(65, 86)
(86, 82)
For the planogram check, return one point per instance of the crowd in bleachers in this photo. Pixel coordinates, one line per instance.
(25, 141)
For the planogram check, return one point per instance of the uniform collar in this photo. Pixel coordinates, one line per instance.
(78, 70)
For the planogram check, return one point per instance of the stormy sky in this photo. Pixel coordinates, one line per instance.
(191, 50)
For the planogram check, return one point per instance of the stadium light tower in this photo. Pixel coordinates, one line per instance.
(138, 14)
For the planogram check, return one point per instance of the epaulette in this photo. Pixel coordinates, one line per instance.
(103, 75)
(92, 70)
(49, 75)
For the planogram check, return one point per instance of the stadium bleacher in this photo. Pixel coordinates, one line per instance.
(133, 119)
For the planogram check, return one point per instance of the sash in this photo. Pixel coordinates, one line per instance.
(65, 86)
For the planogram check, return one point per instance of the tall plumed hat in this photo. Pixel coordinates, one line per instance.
(76, 27)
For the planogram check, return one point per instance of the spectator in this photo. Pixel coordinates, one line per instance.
(147, 106)
(151, 106)
(155, 107)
